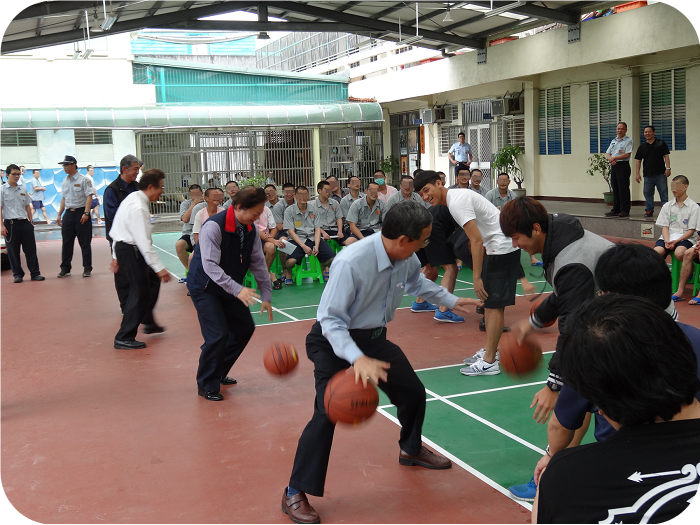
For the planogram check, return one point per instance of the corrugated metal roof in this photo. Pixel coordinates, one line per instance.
(189, 116)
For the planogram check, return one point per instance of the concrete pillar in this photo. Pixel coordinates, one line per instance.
(530, 161)
(316, 152)
(629, 109)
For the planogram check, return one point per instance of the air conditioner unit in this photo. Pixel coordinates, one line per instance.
(498, 107)
(428, 116)
(441, 115)
(507, 106)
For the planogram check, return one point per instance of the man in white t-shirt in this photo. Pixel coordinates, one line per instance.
(495, 276)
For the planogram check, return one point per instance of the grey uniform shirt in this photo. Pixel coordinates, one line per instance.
(364, 290)
(328, 215)
(347, 201)
(495, 198)
(303, 224)
(269, 205)
(35, 195)
(365, 217)
(278, 211)
(75, 190)
(187, 226)
(14, 201)
(398, 197)
(481, 191)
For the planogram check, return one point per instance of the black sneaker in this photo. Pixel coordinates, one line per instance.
(648, 214)
(63, 273)
(612, 214)
(87, 273)
(624, 215)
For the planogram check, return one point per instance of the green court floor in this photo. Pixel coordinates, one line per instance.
(299, 303)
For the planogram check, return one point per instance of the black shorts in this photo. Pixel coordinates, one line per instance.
(500, 275)
(95, 204)
(188, 240)
(448, 242)
(325, 252)
(661, 244)
(282, 234)
(366, 232)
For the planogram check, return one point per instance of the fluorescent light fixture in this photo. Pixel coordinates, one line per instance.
(108, 23)
(87, 53)
(409, 41)
(448, 17)
(503, 9)
(76, 54)
(262, 35)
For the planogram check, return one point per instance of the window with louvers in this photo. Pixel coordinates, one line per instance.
(662, 105)
(448, 136)
(555, 121)
(93, 137)
(604, 102)
(17, 138)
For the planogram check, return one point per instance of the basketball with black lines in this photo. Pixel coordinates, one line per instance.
(347, 402)
(280, 359)
(519, 359)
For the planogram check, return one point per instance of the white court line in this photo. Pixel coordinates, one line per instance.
(462, 464)
(281, 312)
(166, 251)
(296, 307)
(487, 422)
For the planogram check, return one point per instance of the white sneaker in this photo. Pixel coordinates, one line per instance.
(479, 355)
(481, 368)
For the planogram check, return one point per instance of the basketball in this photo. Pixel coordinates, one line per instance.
(347, 402)
(532, 311)
(518, 359)
(280, 359)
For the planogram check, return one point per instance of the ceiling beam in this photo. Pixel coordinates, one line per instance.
(529, 9)
(513, 25)
(372, 24)
(153, 10)
(254, 26)
(186, 6)
(22, 44)
(55, 8)
(39, 23)
(389, 10)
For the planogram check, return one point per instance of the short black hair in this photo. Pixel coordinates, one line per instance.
(248, 197)
(230, 182)
(407, 218)
(287, 185)
(461, 134)
(151, 177)
(423, 178)
(463, 166)
(301, 188)
(271, 186)
(372, 182)
(406, 177)
(322, 184)
(503, 173)
(634, 269)
(416, 172)
(332, 177)
(194, 187)
(441, 173)
(35, 170)
(477, 169)
(520, 216)
(89, 166)
(209, 190)
(682, 178)
(627, 337)
(380, 171)
(12, 167)
(650, 127)
(352, 177)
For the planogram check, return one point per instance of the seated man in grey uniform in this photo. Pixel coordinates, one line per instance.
(278, 214)
(354, 193)
(367, 284)
(406, 193)
(302, 227)
(327, 212)
(365, 216)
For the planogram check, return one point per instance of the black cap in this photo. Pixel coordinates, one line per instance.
(69, 160)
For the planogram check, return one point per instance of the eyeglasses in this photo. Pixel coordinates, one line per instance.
(424, 243)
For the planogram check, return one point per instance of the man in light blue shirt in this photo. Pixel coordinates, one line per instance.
(367, 282)
(460, 152)
(618, 154)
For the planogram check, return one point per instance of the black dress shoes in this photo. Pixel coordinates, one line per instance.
(228, 381)
(38, 278)
(211, 395)
(153, 329)
(18, 280)
(128, 345)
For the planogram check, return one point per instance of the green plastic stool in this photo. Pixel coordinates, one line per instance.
(696, 280)
(335, 245)
(675, 272)
(249, 280)
(314, 270)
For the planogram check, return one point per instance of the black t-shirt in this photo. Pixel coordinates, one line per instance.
(643, 470)
(653, 157)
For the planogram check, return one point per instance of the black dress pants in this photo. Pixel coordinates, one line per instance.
(70, 229)
(403, 387)
(620, 182)
(20, 233)
(226, 326)
(144, 286)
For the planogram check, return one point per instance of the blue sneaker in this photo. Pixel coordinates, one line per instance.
(524, 492)
(448, 317)
(425, 306)
(182, 280)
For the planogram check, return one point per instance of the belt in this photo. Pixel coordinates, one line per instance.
(372, 333)
(76, 209)
(17, 219)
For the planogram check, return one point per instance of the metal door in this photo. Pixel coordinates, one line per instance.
(479, 138)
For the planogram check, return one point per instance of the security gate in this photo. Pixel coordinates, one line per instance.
(479, 138)
(346, 152)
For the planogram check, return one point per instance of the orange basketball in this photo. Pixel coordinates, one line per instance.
(518, 359)
(280, 358)
(347, 402)
(532, 311)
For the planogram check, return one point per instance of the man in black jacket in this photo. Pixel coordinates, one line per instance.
(114, 194)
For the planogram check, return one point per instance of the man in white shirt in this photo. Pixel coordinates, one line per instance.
(496, 284)
(133, 251)
(618, 154)
(460, 152)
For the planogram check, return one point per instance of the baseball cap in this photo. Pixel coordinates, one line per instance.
(69, 160)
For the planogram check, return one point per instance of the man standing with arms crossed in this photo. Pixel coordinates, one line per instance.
(618, 154)
(657, 168)
(77, 191)
(460, 152)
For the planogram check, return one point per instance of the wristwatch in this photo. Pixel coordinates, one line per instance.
(554, 387)
(87, 213)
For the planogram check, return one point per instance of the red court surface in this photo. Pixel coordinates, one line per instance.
(92, 434)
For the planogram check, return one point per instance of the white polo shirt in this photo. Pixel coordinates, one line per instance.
(466, 205)
(680, 219)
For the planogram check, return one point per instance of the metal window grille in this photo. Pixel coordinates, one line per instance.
(18, 138)
(448, 136)
(93, 136)
(473, 111)
(604, 103)
(555, 121)
(348, 152)
(214, 158)
(509, 131)
(662, 104)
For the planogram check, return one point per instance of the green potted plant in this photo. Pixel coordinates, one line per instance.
(506, 160)
(598, 163)
(390, 165)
